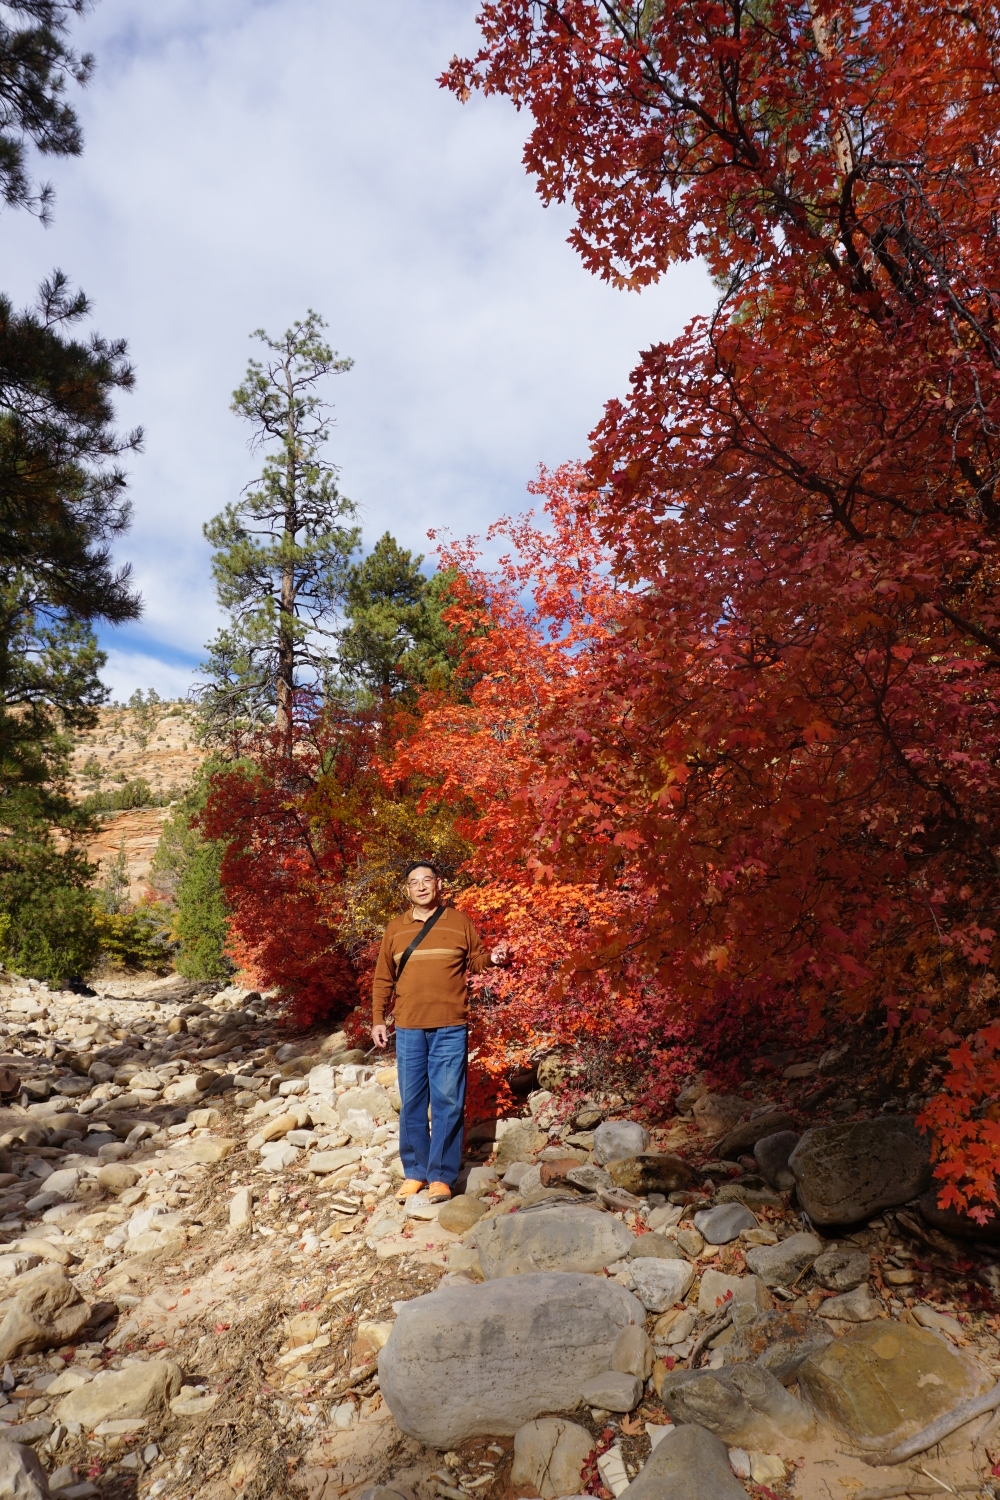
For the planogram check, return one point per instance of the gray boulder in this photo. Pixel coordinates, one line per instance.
(615, 1140)
(771, 1153)
(466, 1361)
(743, 1138)
(744, 1405)
(842, 1270)
(21, 1475)
(844, 1174)
(691, 1464)
(722, 1225)
(612, 1390)
(563, 1238)
(548, 1456)
(780, 1264)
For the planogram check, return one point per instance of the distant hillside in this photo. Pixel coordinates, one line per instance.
(153, 743)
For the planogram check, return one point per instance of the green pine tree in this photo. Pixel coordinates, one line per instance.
(394, 639)
(185, 871)
(281, 552)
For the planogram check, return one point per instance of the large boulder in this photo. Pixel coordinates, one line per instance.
(137, 1392)
(844, 1174)
(564, 1238)
(958, 1225)
(690, 1464)
(47, 1312)
(549, 1454)
(616, 1140)
(466, 1361)
(744, 1405)
(881, 1383)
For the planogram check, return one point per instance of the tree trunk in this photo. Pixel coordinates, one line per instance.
(285, 686)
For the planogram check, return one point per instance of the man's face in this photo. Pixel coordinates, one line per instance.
(423, 887)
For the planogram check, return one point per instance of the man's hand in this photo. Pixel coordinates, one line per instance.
(380, 1036)
(500, 955)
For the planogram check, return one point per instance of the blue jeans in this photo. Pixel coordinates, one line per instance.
(431, 1067)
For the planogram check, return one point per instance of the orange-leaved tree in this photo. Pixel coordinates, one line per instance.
(792, 730)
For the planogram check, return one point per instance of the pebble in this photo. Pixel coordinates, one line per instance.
(722, 1225)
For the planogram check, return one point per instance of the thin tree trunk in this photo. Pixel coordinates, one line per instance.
(286, 604)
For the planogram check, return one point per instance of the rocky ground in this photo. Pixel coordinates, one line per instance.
(207, 1288)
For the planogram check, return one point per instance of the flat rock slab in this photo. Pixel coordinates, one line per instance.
(689, 1464)
(780, 1264)
(564, 1238)
(717, 1289)
(883, 1382)
(844, 1174)
(722, 1225)
(469, 1361)
(614, 1390)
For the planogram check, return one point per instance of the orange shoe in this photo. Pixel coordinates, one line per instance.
(409, 1189)
(438, 1192)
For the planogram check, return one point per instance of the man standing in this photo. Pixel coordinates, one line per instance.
(426, 957)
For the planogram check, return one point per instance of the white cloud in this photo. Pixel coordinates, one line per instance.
(245, 161)
(127, 670)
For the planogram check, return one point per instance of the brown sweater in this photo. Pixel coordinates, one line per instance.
(433, 990)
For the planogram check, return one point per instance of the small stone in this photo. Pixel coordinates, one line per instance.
(461, 1213)
(531, 1182)
(615, 1140)
(514, 1174)
(722, 1225)
(323, 1162)
(204, 1119)
(655, 1245)
(589, 1176)
(480, 1180)
(21, 1475)
(768, 1468)
(115, 1177)
(195, 1404)
(241, 1209)
(613, 1390)
(716, 1114)
(739, 1460)
(64, 1182)
(518, 1142)
(661, 1283)
(549, 1454)
(858, 1306)
(780, 1264)
(280, 1158)
(691, 1242)
(176, 1025)
(717, 1289)
(842, 1271)
(209, 1152)
(682, 1328)
(633, 1352)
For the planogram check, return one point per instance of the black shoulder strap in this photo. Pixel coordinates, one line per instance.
(418, 940)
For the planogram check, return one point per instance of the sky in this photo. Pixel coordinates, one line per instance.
(246, 160)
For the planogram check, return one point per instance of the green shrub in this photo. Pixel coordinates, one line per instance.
(186, 871)
(137, 793)
(49, 931)
(134, 939)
